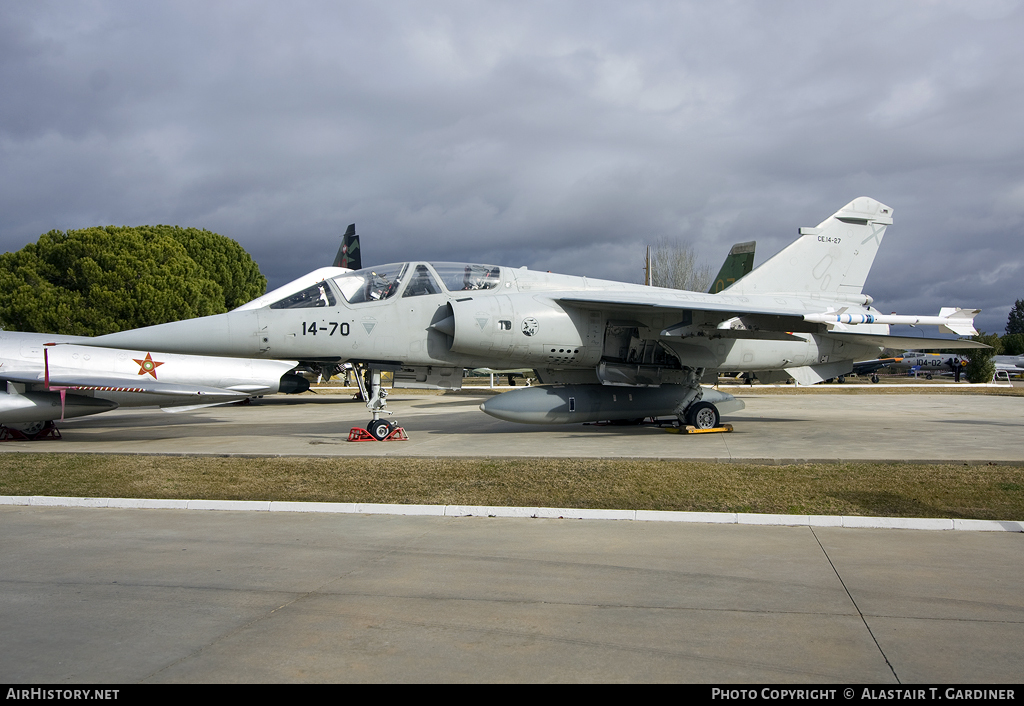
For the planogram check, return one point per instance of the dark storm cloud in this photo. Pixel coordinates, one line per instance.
(562, 136)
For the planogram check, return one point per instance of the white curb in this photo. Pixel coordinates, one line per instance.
(743, 518)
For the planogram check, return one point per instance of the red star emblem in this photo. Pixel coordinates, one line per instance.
(147, 365)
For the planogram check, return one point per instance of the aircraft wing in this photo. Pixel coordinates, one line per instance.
(669, 299)
(906, 342)
(783, 319)
(761, 320)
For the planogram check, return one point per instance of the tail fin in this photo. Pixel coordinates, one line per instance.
(739, 262)
(348, 254)
(959, 321)
(833, 258)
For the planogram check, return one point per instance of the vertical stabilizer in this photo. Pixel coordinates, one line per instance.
(739, 263)
(348, 254)
(833, 258)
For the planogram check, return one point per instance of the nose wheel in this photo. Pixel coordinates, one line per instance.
(380, 429)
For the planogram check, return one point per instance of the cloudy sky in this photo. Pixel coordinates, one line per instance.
(559, 135)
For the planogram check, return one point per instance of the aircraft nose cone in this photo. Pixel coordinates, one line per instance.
(445, 326)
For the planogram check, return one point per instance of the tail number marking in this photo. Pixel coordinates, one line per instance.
(312, 328)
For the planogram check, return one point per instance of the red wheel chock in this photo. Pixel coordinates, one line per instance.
(360, 434)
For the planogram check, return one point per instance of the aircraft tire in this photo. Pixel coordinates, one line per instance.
(928, 376)
(703, 415)
(379, 429)
(874, 378)
(29, 429)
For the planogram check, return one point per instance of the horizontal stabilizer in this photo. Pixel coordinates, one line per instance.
(813, 374)
(174, 409)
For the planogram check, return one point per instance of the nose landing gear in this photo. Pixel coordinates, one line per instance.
(376, 400)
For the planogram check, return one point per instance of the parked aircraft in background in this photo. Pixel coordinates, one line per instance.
(738, 263)
(1010, 364)
(871, 367)
(604, 350)
(349, 255)
(46, 377)
(929, 363)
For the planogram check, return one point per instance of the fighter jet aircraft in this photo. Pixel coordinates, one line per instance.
(46, 377)
(871, 367)
(1010, 364)
(603, 350)
(930, 363)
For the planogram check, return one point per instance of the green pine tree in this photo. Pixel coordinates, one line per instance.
(1015, 321)
(100, 280)
(980, 366)
(1013, 343)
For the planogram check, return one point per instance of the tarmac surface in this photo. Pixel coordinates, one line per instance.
(820, 426)
(103, 595)
(144, 596)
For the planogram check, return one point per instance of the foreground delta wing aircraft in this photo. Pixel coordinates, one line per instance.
(604, 350)
(46, 377)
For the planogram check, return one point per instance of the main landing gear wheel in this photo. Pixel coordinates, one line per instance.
(874, 378)
(380, 428)
(702, 415)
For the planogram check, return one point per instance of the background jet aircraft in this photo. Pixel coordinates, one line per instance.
(865, 367)
(605, 350)
(45, 377)
(1011, 364)
(738, 263)
(349, 255)
(929, 363)
(72, 382)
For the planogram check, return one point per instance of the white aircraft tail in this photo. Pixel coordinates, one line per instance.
(833, 258)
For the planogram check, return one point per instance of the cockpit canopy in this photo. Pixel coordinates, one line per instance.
(412, 279)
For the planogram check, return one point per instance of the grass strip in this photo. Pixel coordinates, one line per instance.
(869, 489)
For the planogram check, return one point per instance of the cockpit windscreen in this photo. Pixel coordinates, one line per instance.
(311, 297)
(371, 284)
(459, 276)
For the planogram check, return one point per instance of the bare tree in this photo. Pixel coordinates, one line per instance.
(673, 264)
